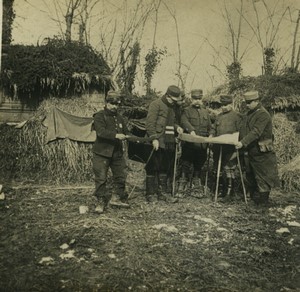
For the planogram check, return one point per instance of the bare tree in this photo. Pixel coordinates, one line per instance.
(119, 36)
(295, 59)
(179, 68)
(72, 6)
(266, 30)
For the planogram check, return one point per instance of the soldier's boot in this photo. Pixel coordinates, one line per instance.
(222, 188)
(151, 189)
(182, 186)
(197, 187)
(264, 199)
(255, 196)
(164, 193)
(229, 190)
(101, 205)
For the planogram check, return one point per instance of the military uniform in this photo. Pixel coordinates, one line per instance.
(195, 118)
(260, 158)
(108, 153)
(227, 122)
(161, 125)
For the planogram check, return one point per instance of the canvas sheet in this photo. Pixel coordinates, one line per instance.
(63, 125)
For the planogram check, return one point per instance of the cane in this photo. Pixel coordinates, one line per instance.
(241, 175)
(175, 167)
(218, 174)
(207, 170)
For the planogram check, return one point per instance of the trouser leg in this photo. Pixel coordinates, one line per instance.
(118, 168)
(100, 169)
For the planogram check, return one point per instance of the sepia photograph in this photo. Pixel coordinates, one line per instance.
(150, 145)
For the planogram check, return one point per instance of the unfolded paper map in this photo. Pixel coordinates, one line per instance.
(230, 139)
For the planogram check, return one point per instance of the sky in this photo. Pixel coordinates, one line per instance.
(203, 35)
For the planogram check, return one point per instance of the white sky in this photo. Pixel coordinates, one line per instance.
(197, 20)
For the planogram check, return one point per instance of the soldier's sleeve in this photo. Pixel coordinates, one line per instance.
(213, 130)
(186, 125)
(257, 129)
(152, 119)
(101, 127)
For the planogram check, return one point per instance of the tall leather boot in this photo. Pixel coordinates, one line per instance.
(229, 190)
(222, 189)
(264, 199)
(197, 187)
(151, 188)
(164, 193)
(182, 185)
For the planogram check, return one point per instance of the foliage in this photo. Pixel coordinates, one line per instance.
(153, 59)
(269, 56)
(289, 102)
(234, 71)
(54, 68)
(276, 91)
(8, 18)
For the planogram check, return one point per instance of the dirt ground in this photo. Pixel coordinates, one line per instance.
(46, 244)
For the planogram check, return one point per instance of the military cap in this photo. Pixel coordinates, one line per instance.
(225, 99)
(197, 93)
(113, 97)
(251, 95)
(174, 92)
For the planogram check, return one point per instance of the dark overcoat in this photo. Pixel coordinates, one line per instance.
(257, 138)
(160, 113)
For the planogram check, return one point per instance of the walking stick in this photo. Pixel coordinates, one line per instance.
(241, 175)
(218, 174)
(175, 168)
(206, 176)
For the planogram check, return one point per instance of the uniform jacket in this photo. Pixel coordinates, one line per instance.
(257, 127)
(107, 125)
(257, 137)
(196, 119)
(160, 113)
(227, 123)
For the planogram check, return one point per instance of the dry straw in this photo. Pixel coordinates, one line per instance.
(287, 143)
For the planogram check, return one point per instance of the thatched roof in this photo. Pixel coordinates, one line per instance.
(290, 102)
(56, 67)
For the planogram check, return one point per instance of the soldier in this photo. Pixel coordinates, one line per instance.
(111, 130)
(260, 158)
(195, 120)
(227, 122)
(161, 124)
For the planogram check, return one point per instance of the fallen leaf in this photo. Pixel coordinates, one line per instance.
(112, 256)
(46, 261)
(68, 255)
(293, 223)
(64, 246)
(282, 230)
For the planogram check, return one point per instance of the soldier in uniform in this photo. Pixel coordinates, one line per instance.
(228, 121)
(195, 120)
(161, 124)
(111, 130)
(260, 158)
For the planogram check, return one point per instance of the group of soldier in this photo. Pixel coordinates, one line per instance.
(170, 116)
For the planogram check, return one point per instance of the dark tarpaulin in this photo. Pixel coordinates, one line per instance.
(63, 125)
